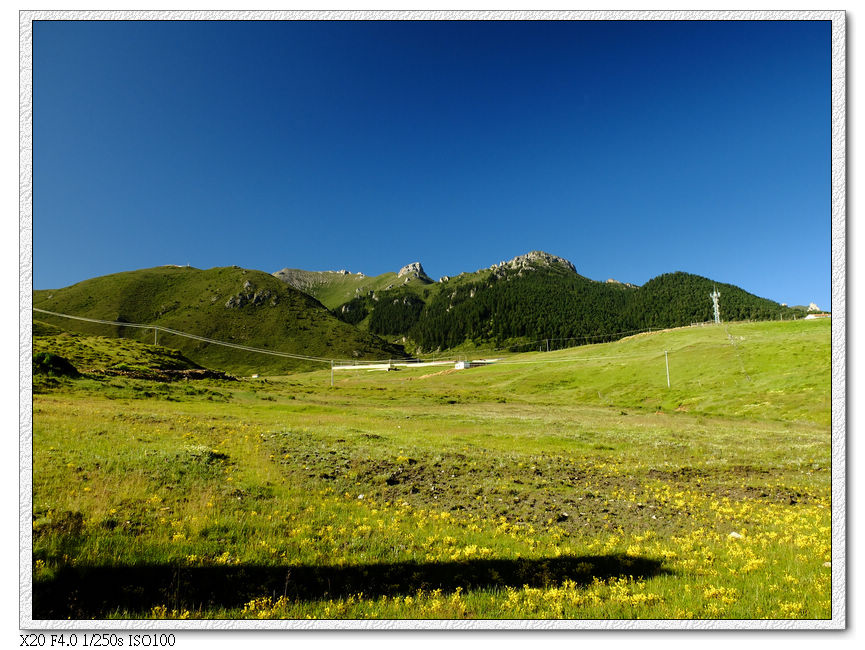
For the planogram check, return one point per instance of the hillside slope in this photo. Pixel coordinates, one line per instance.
(558, 304)
(230, 304)
(542, 296)
(334, 288)
(760, 370)
(57, 353)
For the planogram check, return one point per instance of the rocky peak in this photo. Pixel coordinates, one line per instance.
(536, 259)
(413, 270)
(302, 280)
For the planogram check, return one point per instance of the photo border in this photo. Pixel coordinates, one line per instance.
(839, 328)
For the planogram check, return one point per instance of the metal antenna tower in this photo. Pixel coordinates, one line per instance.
(714, 296)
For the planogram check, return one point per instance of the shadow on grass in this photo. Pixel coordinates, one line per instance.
(97, 591)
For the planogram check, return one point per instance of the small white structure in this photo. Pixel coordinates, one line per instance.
(463, 364)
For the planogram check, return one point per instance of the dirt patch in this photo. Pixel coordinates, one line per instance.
(726, 483)
(526, 489)
(440, 372)
(531, 489)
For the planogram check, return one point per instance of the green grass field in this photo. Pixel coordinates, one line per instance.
(572, 484)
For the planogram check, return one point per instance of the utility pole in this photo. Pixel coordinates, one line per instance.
(667, 363)
(331, 373)
(714, 296)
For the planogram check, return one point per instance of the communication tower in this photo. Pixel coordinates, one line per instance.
(714, 296)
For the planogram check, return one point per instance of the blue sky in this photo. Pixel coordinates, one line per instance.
(630, 148)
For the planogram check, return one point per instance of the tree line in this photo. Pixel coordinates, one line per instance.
(549, 303)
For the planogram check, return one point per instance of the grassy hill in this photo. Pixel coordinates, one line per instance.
(99, 353)
(335, 288)
(762, 370)
(229, 304)
(759, 370)
(58, 354)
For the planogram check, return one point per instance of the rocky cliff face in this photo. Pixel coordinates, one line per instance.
(534, 260)
(413, 270)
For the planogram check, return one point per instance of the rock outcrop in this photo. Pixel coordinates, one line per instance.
(413, 270)
(624, 284)
(530, 261)
(249, 296)
(536, 259)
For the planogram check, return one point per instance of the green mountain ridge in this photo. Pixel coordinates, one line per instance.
(230, 304)
(340, 315)
(552, 304)
(533, 296)
(334, 288)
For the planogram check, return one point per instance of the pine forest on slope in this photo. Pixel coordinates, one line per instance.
(534, 296)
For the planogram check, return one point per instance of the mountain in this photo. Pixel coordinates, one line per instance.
(334, 288)
(231, 304)
(531, 297)
(373, 302)
(342, 315)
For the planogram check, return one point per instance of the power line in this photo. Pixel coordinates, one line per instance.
(237, 346)
(190, 336)
(302, 357)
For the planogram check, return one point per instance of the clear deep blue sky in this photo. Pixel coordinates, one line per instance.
(630, 148)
